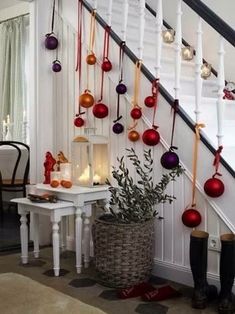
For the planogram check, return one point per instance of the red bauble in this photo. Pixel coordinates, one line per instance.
(136, 113)
(78, 122)
(149, 101)
(151, 137)
(214, 187)
(86, 100)
(191, 218)
(100, 111)
(91, 59)
(133, 136)
(106, 66)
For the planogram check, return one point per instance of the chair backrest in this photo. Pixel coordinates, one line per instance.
(14, 153)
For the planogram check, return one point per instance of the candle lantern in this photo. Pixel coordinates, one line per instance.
(205, 70)
(55, 178)
(90, 161)
(168, 36)
(187, 53)
(66, 171)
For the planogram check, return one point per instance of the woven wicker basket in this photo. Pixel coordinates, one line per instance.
(123, 253)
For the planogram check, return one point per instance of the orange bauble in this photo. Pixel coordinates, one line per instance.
(133, 136)
(66, 184)
(86, 100)
(54, 183)
(91, 59)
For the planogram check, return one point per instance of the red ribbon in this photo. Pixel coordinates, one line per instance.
(217, 160)
(155, 91)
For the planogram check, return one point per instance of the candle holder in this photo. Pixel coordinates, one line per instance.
(168, 36)
(187, 53)
(55, 179)
(205, 70)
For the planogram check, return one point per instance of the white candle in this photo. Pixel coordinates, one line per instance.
(96, 179)
(66, 171)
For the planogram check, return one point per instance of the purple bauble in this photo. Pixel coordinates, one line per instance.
(121, 88)
(56, 66)
(169, 160)
(51, 42)
(118, 128)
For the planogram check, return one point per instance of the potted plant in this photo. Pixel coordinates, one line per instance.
(123, 236)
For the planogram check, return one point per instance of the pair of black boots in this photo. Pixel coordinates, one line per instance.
(203, 292)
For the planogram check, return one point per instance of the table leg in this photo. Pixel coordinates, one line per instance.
(63, 231)
(78, 238)
(87, 218)
(56, 247)
(23, 235)
(35, 234)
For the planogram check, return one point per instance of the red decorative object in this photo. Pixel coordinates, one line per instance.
(161, 294)
(151, 137)
(136, 113)
(135, 291)
(150, 101)
(100, 111)
(86, 100)
(49, 166)
(191, 218)
(106, 65)
(91, 59)
(214, 187)
(133, 136)
(78, 122)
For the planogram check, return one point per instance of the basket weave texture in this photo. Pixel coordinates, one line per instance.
(123, 253)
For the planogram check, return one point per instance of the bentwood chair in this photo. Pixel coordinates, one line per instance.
(14, 167)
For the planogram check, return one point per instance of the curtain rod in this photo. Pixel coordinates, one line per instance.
(12, 18)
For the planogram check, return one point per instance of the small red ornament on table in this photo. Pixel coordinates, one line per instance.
(49, 164)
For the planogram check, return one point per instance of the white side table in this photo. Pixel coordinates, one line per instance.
(55, 211)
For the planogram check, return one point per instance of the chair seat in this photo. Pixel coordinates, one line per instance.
(17, 182)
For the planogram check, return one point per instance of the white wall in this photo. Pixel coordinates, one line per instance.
(10, 12)
(210, 37)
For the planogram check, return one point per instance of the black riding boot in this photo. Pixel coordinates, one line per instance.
(198, 262)
(227, 272)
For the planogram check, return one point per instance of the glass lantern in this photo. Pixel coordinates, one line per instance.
(90, 161)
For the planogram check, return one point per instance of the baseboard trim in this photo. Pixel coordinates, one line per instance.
(179, 273)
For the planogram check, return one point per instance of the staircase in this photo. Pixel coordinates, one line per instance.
(218, 216)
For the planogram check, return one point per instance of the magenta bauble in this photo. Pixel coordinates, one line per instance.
(151, 137)
(100, 111)
(149, 101)
(191, 218)
(214, 187)
(136, 113)
(106, 66)
(169, 160)
(78, 122)
(51, 42)
(56, 66)
(118, 128)
(121, 88)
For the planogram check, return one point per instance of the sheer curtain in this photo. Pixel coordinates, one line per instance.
(13, 39)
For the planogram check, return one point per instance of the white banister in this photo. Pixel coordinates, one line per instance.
(178, 41)
(141, 28)
(125, 18)
(221, 83)
(95, 4)
(109, 13)
(198, 64)
(158, 38)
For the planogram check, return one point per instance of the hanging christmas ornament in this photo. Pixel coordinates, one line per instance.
(120, 89)
(86, 100)
(51, 42)
(56, 66)
(136, 113)
(170, 159)
(151, 137)
(91, 58)
(118, 128)
(214, 187)
(78, 122)
(149, 101)
(106, 65)
(100, 111)
(191, 217)
(133, 136)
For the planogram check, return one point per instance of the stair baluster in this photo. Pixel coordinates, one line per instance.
(141, 29)
(178, 40)
(125, 18)
(95, 4)
(109, 13)
(159, 19)
(221, 83)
